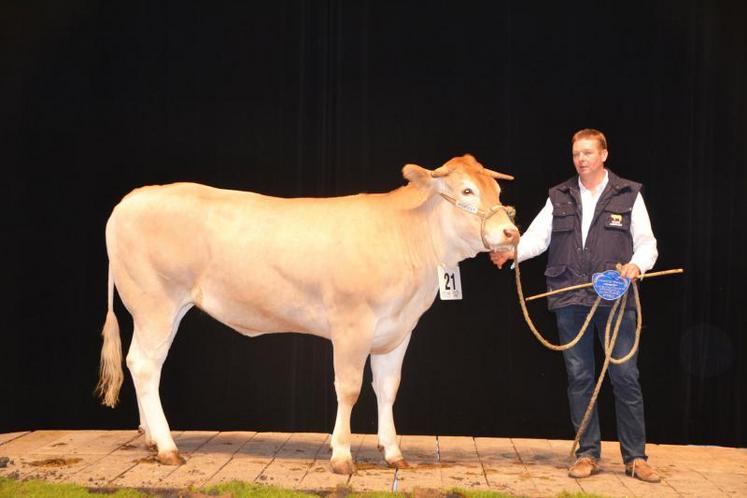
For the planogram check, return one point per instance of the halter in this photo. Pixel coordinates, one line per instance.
(482, 214)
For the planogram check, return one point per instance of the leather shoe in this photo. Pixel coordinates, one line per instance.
(584, 467)
(640, 469)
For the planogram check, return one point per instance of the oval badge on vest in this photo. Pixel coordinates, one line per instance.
(609, 285)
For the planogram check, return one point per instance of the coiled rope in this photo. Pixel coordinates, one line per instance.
(609, 341)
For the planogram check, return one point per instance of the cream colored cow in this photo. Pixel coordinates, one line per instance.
(358, 270)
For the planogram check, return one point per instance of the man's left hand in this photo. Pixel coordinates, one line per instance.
(630, 271)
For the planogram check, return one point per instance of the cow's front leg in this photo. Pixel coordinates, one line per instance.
(349, 359)
(386, 369)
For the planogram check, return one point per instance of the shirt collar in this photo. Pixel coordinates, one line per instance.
(600, 188)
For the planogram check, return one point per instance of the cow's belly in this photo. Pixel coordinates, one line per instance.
(284, 306)
(262, 312)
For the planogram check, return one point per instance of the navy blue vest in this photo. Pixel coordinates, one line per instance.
(608, 242)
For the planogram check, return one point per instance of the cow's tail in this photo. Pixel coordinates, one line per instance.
(110, 370)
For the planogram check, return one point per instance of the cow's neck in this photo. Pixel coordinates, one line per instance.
(429, 241)
(454, 247)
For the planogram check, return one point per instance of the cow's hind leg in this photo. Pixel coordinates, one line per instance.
(386, 370)
(349, 359)
(143, 427)
(151, 340)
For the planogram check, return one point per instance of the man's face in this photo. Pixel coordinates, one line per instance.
(588, 157)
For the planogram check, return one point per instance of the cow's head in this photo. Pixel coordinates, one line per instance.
(477, 216)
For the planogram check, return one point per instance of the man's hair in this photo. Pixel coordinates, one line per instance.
(591, 134)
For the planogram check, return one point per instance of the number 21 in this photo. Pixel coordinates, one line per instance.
(448, 276)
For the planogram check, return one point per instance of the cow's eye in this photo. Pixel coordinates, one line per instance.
(467, 191)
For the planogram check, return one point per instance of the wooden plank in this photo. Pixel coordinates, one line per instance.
(292, 461)
(460, 464)
(63, 457)
(90, 448)
(252, 458)
(51, 468)
(730, 484)
(135, 449)
(20, 452)
(547, 466)
(116, 463)
(687, 484)
(88, 443)
(520, 466)
(210, 458)
(699, 458)
(684, 471)
(319, 476)
(10, 436)
(373, 473)
(151, 474)
(504, 470)
(609, 482)
(424, 471)
(190, 441)
(31, 442)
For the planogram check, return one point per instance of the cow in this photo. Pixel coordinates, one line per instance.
(358, 270)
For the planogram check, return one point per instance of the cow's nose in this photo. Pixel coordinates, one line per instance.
(511, 234)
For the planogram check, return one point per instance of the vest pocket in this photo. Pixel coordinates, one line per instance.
(555, 270)
(562, 222)
(616, 217)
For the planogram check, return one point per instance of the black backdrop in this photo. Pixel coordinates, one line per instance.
(319, 98)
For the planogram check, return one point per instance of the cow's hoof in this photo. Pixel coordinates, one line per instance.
(343, 467)
(399, 464)
(151, 446)
(171, 458)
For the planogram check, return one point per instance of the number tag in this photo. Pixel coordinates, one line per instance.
(449, 283)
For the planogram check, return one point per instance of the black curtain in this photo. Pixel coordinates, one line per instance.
(322, 98)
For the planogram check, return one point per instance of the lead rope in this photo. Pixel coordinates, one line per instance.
(609, 342)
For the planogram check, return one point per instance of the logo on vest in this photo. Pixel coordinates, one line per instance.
(616, 220)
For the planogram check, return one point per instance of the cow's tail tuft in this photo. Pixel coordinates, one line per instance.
(110, 370)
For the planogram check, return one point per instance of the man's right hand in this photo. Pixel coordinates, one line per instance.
(500, 257)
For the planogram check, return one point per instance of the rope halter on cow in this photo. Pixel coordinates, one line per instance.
(483, 214)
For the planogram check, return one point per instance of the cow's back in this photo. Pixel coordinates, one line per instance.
(260, 263)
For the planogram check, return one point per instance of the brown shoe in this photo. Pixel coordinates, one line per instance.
(584, 467)
(640, 469)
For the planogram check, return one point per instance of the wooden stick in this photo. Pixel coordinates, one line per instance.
(583, 286)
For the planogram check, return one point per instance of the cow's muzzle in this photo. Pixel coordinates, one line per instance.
(511, 234)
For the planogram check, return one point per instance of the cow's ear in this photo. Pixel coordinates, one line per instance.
(416, 174)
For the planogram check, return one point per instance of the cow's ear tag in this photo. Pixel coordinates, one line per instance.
(609, 285)
(449, 283)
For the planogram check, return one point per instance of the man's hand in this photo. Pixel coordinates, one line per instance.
(630, 271)
(500, 257)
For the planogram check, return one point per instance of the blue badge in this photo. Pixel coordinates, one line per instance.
(609, 285)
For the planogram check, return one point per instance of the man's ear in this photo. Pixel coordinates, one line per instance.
(417, 175)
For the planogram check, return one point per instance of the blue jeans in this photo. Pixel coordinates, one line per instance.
(582, 376)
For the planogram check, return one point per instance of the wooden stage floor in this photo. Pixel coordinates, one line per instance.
(522, 467)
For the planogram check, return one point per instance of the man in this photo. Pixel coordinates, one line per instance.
(590, 223)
